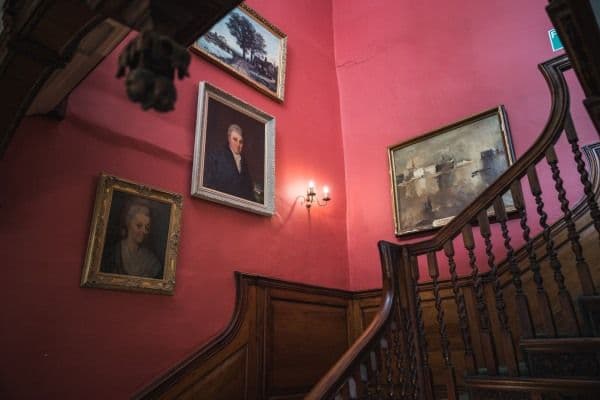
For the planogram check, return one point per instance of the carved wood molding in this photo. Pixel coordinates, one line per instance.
(259, 299)
(552, 70)
(558, 230)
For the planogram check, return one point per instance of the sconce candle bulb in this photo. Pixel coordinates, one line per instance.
(326, 193)
(311, 195)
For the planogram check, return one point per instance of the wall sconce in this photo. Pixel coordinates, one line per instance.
(311, 196)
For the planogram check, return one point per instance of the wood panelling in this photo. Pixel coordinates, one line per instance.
(282, 339)
(226, 381)
(305, 341)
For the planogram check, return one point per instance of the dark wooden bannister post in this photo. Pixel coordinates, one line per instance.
(523, 311)
(563, 294)
(543, 303)
(487, 341)
(583, 269)
(590, 196)
(434, 273)
(470, 365)
(410, 276)
(510, 355)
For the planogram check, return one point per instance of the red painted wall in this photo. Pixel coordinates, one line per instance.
(403, 69)
(406, 68)
(62, 341)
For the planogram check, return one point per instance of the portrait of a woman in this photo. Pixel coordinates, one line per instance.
(131, 252)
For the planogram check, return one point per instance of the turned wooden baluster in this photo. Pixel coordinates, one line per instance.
(543, 303)
(360, 382)
(583, 270)
(344, 391)
(376, 369)
(588, 189)
(400, 349)
(410, 354)
(352, 388)
(510, 354)
(523, 311)
(488, 350)
(387, 353)
(363, 377)
(564, 296)
(426, 369)
(459, 299)
(434, 273)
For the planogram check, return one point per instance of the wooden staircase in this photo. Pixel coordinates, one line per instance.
(521, 320)
(524, 321)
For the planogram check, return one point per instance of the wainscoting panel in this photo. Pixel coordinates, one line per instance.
(282, 339)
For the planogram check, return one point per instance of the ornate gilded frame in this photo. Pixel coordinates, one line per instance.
(412, 183)
(108, 186)
(202, 46)
(232, 110)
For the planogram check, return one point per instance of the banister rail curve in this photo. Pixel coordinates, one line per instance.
(552, 71)
(329, 384)
(409, 375)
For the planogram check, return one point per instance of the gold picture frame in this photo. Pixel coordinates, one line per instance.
(436, 175)
(134, 238)
(258, 60)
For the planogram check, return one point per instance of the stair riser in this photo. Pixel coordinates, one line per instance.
(550, 364)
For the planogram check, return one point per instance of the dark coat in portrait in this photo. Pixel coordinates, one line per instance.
(221, 173)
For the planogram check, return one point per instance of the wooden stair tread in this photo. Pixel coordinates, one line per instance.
(561, 345)
(582, 385)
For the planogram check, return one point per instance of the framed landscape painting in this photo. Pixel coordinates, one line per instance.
(134, 238)
(435, 176)
(250, 48)
(234, 152)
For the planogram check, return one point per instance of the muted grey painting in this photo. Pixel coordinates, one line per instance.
(437, 176)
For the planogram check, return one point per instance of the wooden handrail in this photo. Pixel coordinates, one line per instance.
(328, 385)
(552, 71)
(400, 270)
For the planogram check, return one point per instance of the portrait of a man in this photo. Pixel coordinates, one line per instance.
(234, 155)
(226, 168)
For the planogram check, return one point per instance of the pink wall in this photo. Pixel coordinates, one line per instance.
(406, 68)
(438, 63)
(62, 341)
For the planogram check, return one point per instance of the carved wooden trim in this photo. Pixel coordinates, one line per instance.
(330, 383)
(543, 385)
(248, 328)
(558, 230)
(552, 72)
(167, 381)
(31, 49)
(579, 34)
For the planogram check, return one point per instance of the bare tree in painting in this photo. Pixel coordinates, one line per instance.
(243, 31)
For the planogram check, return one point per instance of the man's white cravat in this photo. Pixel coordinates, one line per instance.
(238, 162)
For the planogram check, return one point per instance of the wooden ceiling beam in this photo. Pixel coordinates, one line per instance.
(40, 37)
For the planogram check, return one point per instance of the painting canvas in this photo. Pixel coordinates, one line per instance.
(134, 238)
(234, 153)
(249, 47)
(435, 176)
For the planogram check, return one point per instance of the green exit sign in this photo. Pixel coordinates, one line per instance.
(554, 40)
